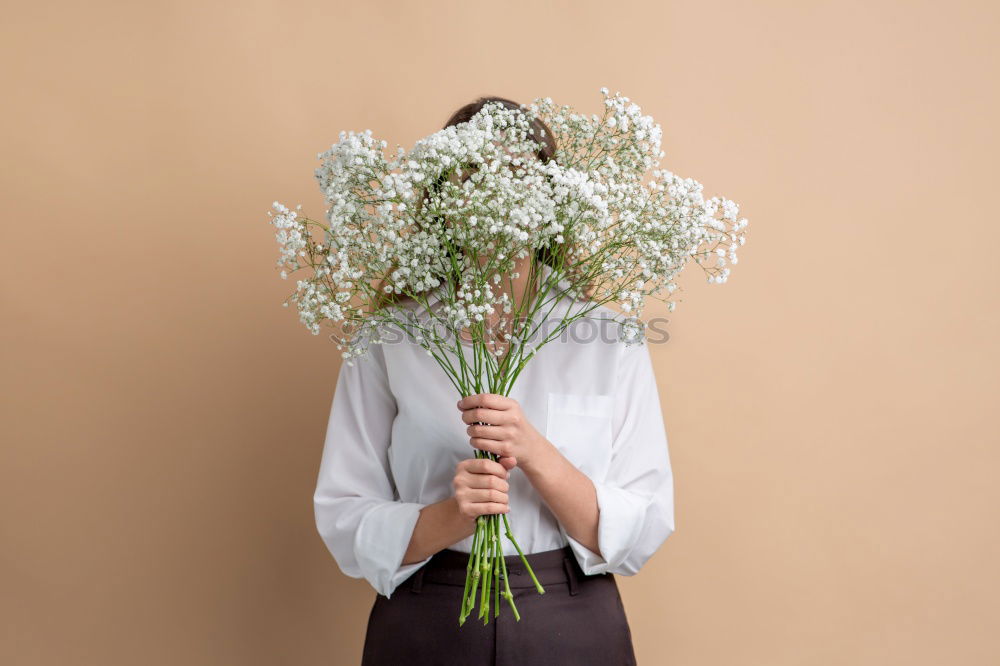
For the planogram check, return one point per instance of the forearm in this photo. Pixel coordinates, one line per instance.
(440, 525)
(568, 492)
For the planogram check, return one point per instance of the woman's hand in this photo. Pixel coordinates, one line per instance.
(508, 434)
(481, 487)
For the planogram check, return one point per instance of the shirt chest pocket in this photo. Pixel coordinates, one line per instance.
(579, 425)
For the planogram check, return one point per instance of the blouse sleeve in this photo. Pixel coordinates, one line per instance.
(636, 497)
(358, 513)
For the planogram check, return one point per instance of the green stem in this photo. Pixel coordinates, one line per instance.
(464, 611)
(475, 568)
(506, 592)
(484, 606)
(531, 572)
(498, 550)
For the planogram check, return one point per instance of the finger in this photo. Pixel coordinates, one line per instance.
(485, 495)
(487, 400)
(490, 507)
(487, 431)
(486, 466)
(508, 462)
(487, 481)
(483, 415)
(493, 446)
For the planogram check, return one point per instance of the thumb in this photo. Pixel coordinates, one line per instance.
(508, 462)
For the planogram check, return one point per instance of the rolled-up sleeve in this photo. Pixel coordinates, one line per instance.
(636, 496)
(358, 513)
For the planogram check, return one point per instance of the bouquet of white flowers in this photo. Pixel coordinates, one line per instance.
(468, 240)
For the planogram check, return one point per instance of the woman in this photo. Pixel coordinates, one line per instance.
(583, 471)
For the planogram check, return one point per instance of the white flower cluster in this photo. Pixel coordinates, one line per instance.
(454, 214)
(291, 236)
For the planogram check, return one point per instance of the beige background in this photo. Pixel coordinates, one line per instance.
(830, 409)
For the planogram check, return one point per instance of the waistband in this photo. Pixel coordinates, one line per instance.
(551, 567)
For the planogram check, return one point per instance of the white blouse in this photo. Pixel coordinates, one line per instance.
(395, 437)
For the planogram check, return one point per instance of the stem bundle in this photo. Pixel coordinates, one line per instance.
(488, 565)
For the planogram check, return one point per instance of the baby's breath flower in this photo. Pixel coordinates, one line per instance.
(451, 217)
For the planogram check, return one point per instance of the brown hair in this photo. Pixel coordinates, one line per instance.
(539, 132)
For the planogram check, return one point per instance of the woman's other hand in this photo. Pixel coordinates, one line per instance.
(481, 487)
(497, 424)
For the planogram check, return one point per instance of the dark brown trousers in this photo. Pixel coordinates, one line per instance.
(579, 620)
